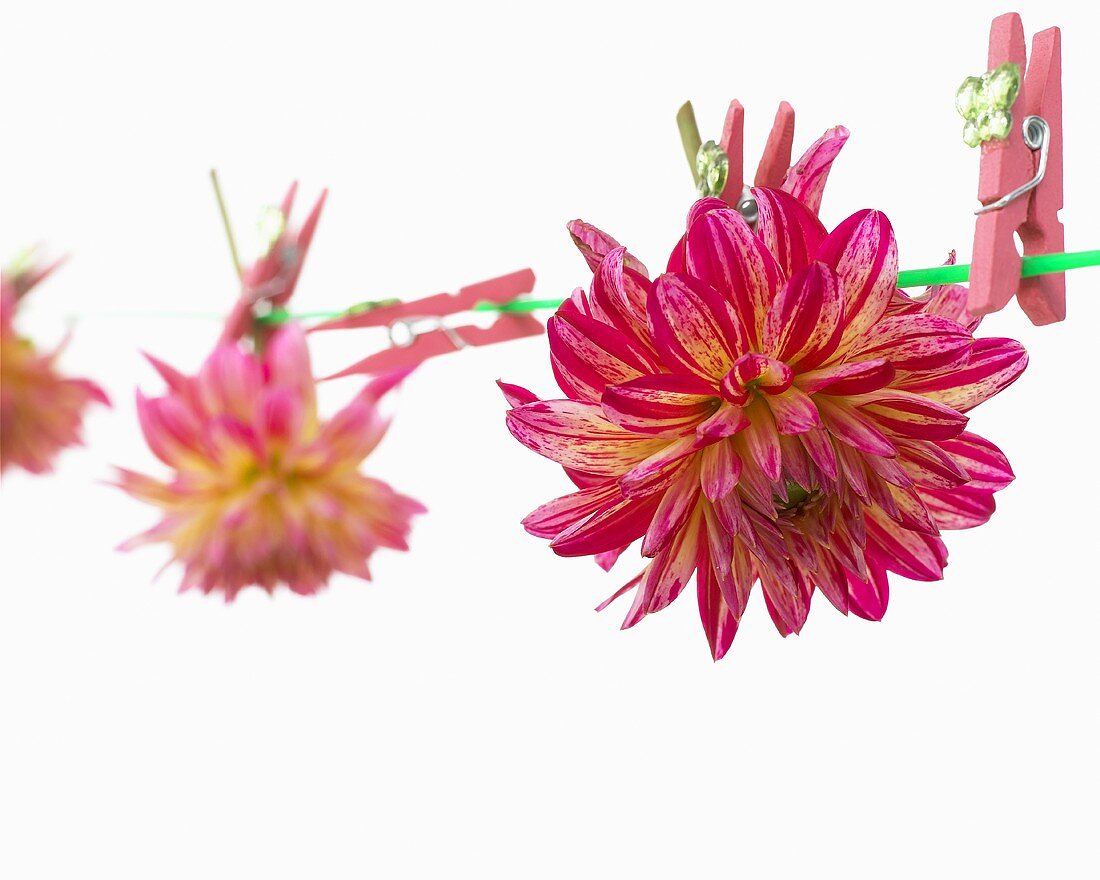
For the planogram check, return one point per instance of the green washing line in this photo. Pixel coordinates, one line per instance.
(1043, 264)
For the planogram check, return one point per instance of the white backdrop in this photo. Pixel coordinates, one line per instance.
(468, 714)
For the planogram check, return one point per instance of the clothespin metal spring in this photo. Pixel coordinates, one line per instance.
(1037, 137)
(410, 333)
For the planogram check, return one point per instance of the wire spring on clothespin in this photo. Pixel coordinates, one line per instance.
(409, 324)
(1036, 134)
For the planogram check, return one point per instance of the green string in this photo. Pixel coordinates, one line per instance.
(1048, 264)
(1042, 264)
(281, 316)
(519, 305)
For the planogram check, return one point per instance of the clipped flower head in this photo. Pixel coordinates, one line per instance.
(41, 410)
(770, 409)
(262, 491)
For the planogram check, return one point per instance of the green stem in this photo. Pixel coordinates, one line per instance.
(689, 136)
(225, 222)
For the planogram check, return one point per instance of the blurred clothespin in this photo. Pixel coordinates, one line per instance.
(418, 330)
(271, 279)
(1017, 119)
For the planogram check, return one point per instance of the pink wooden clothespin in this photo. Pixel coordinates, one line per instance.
(777, 152)
(1028, 195)
(273, 277)
(414, 347)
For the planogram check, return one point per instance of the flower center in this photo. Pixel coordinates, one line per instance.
(274, 474)
(755, 372)
(798, 500)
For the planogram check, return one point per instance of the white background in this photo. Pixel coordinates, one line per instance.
(467, 714)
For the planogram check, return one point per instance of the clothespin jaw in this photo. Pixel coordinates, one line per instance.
(273, 277)
(773, 163)
(733, 145)
(777, 151)
(1009, 166)
(415, 346)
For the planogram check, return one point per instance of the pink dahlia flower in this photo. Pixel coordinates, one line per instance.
(770, 409)
(41, 411)
(262, 491)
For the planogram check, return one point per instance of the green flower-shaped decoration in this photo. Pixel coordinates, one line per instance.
(985, 102)
(271, 225)
(713, 168)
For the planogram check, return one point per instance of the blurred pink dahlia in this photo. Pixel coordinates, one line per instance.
(41, 411)
(262, 492)
(770, 409)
